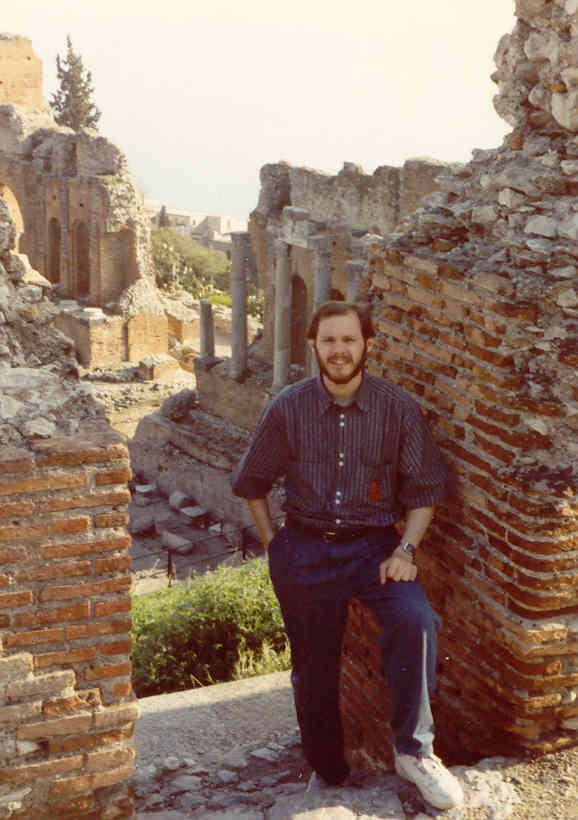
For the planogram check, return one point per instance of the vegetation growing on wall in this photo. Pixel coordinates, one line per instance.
(181, 263)
(72, 104)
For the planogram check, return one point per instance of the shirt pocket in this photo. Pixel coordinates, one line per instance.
(373, 484)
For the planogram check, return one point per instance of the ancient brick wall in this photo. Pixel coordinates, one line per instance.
(499, 561)
(67, 707)
(21, 73)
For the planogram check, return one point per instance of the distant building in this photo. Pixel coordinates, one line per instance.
(209, 230)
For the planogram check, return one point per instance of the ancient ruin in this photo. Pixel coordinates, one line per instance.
(475, 294)
(471, 272)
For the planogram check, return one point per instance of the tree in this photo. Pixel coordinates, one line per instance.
(72, 103)
(164, 221)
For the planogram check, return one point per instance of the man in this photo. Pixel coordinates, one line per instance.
(356, 457)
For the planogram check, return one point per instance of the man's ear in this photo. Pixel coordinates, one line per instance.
(370, 343)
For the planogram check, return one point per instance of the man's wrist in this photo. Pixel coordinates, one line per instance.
(405, 549)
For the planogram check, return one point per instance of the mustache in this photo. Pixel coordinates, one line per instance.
(339, 357)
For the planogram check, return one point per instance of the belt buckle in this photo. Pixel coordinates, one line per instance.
(329, 536)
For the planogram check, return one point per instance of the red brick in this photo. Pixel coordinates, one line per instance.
(94, 449)
(53, 615)
(59, 726)
(69, 591)
(43, 483)
(459, 293)
(109, 758)
(79, 631)
(13, 599)
(114, 519)
(104, 608)
(117, 715)
(114, 564)
(31, 638)
(528, 441)
(541, 547)
(497, 414)
(60, 569)
(35, 771)
(468, 457)
(85, 783)
(112, 499)
(88, 742)
(516, 310)
(14, 460)
(115, 648)
(112, 477)
(67, 658)
(44, 529)
(20, 713)
(122, 689)
(493, 449)
(117, 542)
(116, 670)
(16, 508)
(57, 707)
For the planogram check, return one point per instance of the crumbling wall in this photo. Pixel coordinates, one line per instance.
(477, 304)
(340, 208)
(66, 703)
(78, 215)
(21, 73)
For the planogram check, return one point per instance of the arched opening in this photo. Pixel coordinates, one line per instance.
(298, 321)
(54, 250)
(81, 260)
(14, 209)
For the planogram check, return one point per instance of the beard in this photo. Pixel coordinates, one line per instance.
(345, 379)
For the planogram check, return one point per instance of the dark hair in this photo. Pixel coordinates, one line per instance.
(342, 309)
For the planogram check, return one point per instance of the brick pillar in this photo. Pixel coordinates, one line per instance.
(282, 354)
(67, 707)
(240, 257)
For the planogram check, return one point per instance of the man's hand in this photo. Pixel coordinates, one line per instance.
(397, 568)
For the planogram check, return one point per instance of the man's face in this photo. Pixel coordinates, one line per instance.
(340, 348)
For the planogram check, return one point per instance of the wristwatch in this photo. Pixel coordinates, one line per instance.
(408, 548)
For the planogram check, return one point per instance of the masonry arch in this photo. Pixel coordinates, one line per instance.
(299, 320)
(54, 250)
(11, 201)
(81, 260)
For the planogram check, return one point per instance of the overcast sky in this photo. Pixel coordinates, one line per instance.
(200, 96)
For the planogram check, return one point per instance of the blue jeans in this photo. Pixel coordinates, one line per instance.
(314, 581)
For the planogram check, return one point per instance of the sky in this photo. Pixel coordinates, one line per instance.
(200, 96)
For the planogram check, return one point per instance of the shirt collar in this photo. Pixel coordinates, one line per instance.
(361, 399)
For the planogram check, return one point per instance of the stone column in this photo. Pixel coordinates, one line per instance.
(207, 356)
(240, 257)
(321, 270)
(321, 281)
(282, 352)
(354, 268)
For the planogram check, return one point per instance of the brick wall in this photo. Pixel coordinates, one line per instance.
(66, 703)
(500, 561)
(21, 73)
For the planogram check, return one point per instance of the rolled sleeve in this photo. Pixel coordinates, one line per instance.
(424, 478)
(265, 459)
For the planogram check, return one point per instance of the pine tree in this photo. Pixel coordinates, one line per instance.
(72, 104)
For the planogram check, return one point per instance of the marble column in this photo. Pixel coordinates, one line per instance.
(207, 356)
(282, 351)
(240, 257)
(354, 269)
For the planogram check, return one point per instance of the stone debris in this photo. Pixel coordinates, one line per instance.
(267, 782)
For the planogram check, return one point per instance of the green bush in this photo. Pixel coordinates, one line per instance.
(211, 629)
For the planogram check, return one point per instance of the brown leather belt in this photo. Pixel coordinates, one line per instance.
(337, 534)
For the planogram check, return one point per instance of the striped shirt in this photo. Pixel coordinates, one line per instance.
(360, 465)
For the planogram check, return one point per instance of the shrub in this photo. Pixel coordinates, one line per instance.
(203, 631)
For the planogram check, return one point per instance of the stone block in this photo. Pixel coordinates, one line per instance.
(178, 500)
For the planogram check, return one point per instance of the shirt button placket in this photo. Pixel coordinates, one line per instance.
(340, 459)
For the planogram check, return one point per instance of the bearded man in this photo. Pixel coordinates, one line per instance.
(357, 457)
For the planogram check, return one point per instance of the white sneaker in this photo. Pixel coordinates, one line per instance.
(437, 785)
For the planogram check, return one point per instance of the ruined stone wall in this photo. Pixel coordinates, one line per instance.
(337, 206)
(21, 73)
(499, 561)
